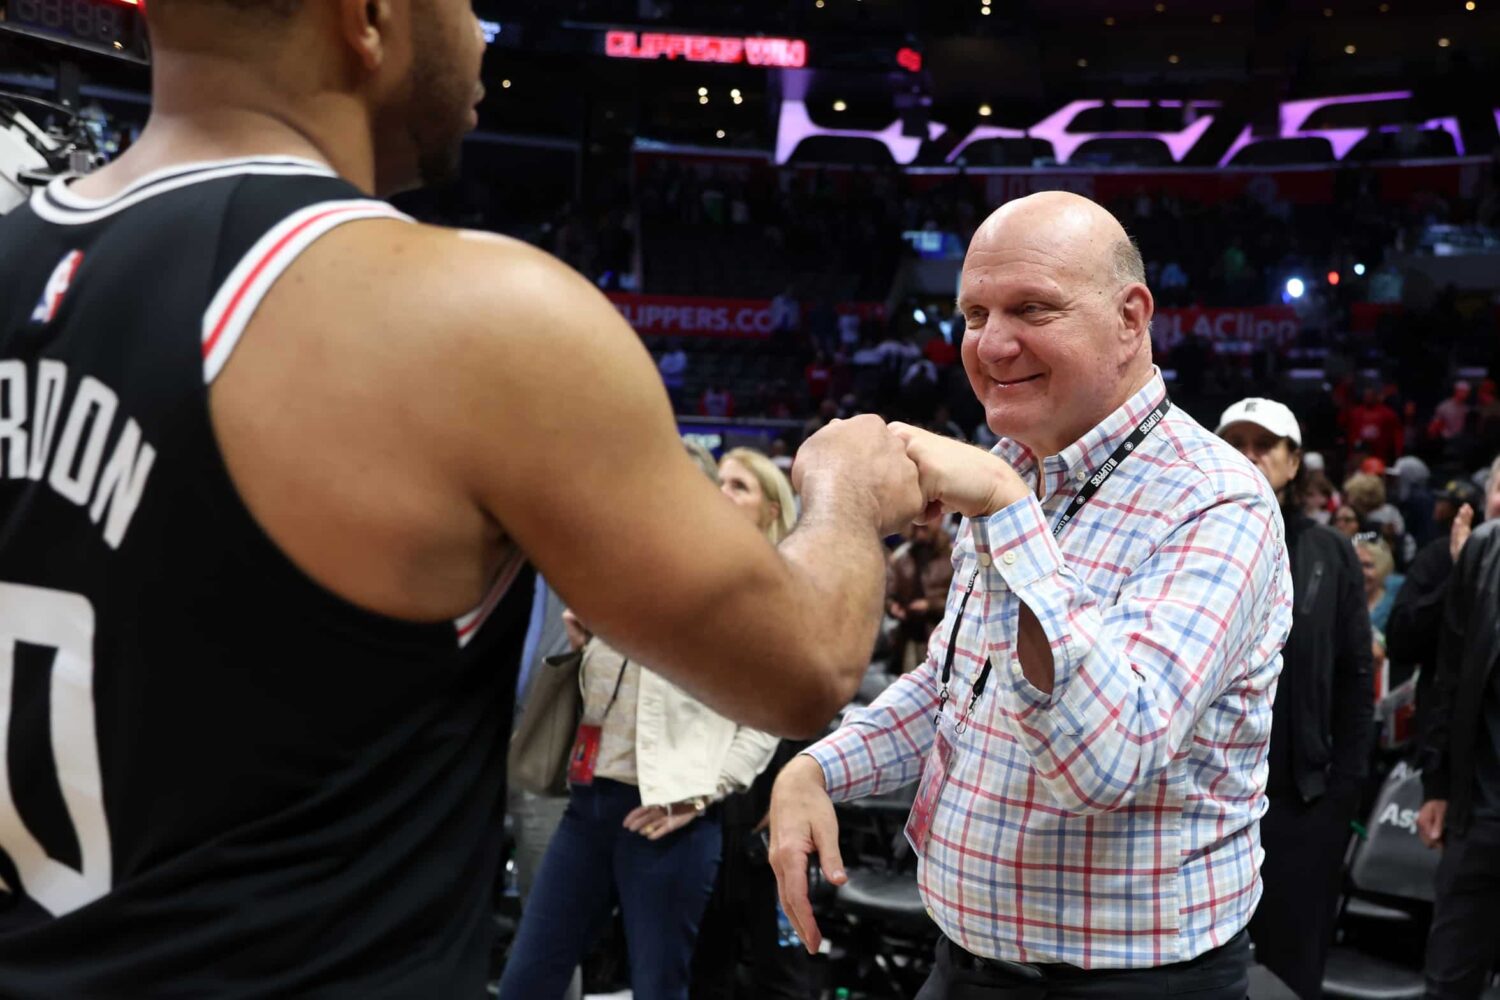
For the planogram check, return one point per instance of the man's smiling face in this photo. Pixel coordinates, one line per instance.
(1048, 344)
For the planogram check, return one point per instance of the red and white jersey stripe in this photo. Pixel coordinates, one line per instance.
(467, 625)
(232, 307)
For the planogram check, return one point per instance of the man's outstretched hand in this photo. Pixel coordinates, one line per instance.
(803, 824)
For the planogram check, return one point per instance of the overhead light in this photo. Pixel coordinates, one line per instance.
(738, 100)
(985, 111)
(1469, 5)
(703, 99)
(818, 4)
(734, 92)
(1443, 43)
(1327, 11)
(1295, 287)
(1349, 50)
(1217, 19)
(1109, 22)
(504, 84)
(1161, 8)
(918, 315)
(1385, 8)
(839, 106)
(985, 11)
(1083, 64)
(1333, 277)
(702, 91)
(1359, 269)
(719, 134)
(1173, 59)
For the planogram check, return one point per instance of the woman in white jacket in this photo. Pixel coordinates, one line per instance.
(649, 765)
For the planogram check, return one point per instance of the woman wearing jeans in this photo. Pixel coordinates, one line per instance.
(648, 768)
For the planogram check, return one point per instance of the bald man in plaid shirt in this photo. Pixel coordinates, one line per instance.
(1090, 727)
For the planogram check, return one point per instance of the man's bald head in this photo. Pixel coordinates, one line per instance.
(1081, 232)
(1057, 318)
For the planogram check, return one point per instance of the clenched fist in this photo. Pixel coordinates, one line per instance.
(862, 459)
(959, 477)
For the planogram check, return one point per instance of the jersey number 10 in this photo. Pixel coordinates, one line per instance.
(62, 623)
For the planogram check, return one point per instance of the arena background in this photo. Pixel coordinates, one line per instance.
(778, 196)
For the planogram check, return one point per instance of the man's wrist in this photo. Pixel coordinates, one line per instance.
(1008, 488)
(805, 767)
(825, 493)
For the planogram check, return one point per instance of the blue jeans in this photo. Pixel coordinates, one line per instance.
(593, 862)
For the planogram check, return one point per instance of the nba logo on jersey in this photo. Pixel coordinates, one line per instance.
(57, 287)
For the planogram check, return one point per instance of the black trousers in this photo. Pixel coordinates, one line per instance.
(1465, 936)
(1302, 874)
(1220, 974)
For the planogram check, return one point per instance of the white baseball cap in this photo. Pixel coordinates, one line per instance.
(1267, 413)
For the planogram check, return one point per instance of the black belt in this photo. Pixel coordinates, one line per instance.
(1025, 973)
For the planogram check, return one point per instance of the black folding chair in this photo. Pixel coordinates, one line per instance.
(1387, 905)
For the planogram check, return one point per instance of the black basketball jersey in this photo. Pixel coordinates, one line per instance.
(216, 778)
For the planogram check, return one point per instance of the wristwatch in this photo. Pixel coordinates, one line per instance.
(700, 804)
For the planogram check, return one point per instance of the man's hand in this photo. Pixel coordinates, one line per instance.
(958, 476)
(1430, 821)
(803, 823)
(1458, 534)
(861, 456)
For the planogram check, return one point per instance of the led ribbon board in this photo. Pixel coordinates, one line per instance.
(785, 53)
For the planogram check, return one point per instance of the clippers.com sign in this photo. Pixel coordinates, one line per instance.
(787, 53)
(692, 316)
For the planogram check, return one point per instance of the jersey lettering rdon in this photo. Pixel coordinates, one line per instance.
(36, 440)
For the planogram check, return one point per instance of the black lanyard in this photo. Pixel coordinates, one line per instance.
(618, 680)
(1084, 495)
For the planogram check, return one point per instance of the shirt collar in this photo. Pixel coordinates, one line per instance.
(1079, 460)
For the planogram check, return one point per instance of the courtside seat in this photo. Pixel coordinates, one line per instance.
(1390, 884)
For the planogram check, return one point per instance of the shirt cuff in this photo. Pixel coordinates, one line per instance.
(1018, 542)
(836, 760)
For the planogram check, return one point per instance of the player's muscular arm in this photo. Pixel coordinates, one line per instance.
(575, 453)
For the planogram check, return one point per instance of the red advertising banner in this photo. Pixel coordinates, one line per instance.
(1252, 325)
(695, 316)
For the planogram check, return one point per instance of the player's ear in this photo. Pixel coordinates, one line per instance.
(365, 24)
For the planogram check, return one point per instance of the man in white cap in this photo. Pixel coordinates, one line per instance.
(1320, 720)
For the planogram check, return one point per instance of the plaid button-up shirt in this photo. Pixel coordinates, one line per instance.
(1114, 822)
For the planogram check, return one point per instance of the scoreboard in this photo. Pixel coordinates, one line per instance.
(109, 27)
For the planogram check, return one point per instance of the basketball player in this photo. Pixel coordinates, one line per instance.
(273, 462)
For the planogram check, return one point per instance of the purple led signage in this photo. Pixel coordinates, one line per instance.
(796, 125)
(1054, 129)
(1294, 114)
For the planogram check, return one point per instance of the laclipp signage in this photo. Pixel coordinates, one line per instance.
(1253, 326)
(779, 52)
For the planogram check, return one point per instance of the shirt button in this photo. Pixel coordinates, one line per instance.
(985, 560)
(1082, 475)
(1009, 558)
